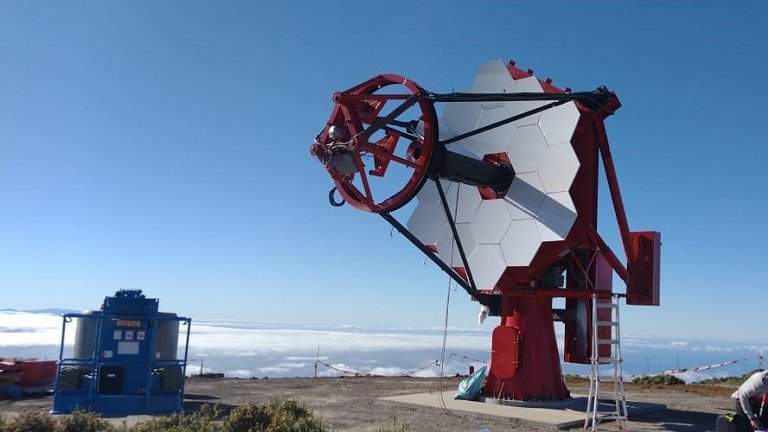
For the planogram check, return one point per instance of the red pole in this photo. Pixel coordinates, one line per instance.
(613, 187)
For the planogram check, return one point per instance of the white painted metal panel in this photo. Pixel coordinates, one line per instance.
(537, 208)
(558, 123)
(427, 223)
(525, 196)
(491, 221)
(495, 140)
(461, 117)
(526, 85)
(520, 243)
(487, 265)
(556, 216)
(428, 193)
(493, 77)
(558, 168)
(527, 148)
(448, 248)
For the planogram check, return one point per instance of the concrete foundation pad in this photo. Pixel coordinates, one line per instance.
(560, 415)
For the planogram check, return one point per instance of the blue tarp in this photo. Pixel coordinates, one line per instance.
(470, 387)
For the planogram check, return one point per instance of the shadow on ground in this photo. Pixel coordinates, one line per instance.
(679, 421)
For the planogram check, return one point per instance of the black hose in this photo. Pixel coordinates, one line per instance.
(332, 199)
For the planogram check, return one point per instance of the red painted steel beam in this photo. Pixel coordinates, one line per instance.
(613, 187)
(558, 293)
(612, 259)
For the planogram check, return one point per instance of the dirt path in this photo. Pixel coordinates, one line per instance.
(353, 405)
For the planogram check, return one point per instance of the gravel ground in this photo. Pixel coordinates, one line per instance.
(351, 404)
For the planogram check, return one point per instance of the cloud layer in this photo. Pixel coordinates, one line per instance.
(264, 349)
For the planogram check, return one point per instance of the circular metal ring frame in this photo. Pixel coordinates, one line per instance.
(356, 112)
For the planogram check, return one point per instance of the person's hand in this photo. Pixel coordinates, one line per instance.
(755, 424)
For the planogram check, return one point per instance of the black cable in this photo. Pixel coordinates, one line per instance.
(332, 199)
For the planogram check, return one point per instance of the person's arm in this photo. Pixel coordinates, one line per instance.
(746, 405)
(751, 387)
(757, 424)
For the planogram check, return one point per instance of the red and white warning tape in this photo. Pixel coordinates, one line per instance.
(700, 368)
(468, 359)
(350, 372)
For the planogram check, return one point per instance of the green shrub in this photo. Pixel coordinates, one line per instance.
(734, 381)
(30, 422)
(247, 417)
(725, 381)
(659, 379)
(81, 421)
(204, 420)
(292, 416)
(277, 416)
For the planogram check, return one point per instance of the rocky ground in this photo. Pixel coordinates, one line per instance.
(352, 404)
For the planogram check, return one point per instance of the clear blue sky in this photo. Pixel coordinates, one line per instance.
(163, 146)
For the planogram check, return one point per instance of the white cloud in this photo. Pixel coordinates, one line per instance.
(239, 373)
(293, 365)
(712, 348)
(273, 370)
(284, 349)
(397, 371)
(237, 341)
(429, 371)
(306, 358)
(26, 329)
(196, 369)
(23, 329)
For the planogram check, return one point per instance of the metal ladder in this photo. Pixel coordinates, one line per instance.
(606, 337)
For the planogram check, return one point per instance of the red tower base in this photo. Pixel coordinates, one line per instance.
(525, 363)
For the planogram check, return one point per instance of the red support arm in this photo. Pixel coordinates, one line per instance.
(613, 186)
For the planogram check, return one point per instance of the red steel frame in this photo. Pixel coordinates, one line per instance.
(524, 361)
(357, 108)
